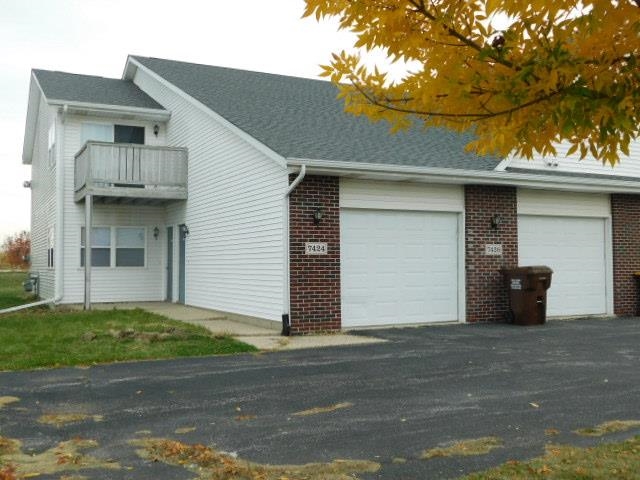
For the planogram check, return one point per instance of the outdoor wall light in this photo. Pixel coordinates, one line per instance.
(184, 230)
(317, 215)
(156, 129)
(496, 221)
(156, 232)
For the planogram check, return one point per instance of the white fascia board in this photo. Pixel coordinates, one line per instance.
(464, 177)
(129, 72)
(33, 105)
(113, 110)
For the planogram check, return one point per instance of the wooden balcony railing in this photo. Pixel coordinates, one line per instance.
(127, 170)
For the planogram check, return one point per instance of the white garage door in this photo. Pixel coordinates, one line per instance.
(398, 267)
(575, 249)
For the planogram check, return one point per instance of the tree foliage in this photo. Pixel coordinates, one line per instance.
(560, 71)
(15, 250)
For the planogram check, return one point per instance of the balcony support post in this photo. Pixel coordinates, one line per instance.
(88, 207)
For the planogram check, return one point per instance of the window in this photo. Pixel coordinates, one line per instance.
(100, 247)
(130, 247)
(98, 132)
(51, 238)
(128, 134)
(115, 247)
(102, 132)
(51, 144)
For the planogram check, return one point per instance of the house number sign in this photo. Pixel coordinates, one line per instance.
(315, 248)
(494, 249)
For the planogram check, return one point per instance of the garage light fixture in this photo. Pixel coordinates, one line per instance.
(496, 221)
(317, 215)
(156, 233)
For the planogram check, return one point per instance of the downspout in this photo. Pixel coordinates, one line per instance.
(29, 305)
(286, 319)
(60, 189)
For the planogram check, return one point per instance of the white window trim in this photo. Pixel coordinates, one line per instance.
(113, 248)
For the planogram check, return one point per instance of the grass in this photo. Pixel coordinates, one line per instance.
(464, 448)
(54, 338)
(620, 461)
(210, 464)
(11, 291)
(608, 427)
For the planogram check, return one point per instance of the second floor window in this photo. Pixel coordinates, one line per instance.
(102, 132)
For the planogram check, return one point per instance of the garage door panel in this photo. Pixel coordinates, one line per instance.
(575, 249)
(410, 274)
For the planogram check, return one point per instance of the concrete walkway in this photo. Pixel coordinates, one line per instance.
(262, 334)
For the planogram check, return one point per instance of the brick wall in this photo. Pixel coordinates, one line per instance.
(487, 299)
(314, 279)
(625, 223)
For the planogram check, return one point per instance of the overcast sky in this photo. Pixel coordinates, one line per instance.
(95, 36)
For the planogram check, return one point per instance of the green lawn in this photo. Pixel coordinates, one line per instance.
(11, 291)
(619, 461)
(43, 337)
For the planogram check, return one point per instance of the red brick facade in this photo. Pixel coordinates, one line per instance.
(625, 223)
(487, 299)
(314, 279)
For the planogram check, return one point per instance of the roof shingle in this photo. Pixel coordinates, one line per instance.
(89, 89)
(302, 118)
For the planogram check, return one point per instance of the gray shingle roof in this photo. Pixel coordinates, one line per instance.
(89, 89)
(301, 118)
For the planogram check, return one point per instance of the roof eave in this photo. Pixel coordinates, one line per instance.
(33, 105)
(374, 171)
(156, 114)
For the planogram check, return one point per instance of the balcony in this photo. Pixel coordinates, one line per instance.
(128, 173)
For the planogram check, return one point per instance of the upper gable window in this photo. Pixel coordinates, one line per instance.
(128, 134)
(100, 132)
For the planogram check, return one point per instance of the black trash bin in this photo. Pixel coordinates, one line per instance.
(527, 288)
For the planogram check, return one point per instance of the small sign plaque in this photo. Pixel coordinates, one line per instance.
(516, 284)
(315, 248)
(493, 249)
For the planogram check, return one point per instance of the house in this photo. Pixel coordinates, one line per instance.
(255, 194)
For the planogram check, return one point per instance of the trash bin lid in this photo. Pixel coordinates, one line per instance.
(528, 270)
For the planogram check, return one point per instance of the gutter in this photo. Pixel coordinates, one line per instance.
(457, 176)
(286, 319)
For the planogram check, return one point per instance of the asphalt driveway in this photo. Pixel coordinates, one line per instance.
(423, 388)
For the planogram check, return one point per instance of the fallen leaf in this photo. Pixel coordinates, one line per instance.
(318, 410)
(182, 430)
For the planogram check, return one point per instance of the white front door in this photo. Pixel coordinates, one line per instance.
(398, 267)
(574, 248)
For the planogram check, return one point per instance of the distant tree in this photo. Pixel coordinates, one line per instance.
(15, 250)
(558, 70)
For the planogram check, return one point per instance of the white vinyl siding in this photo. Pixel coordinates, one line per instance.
(43, 201)
(628, 166)
(400, 196)
(235, 213)
(128, 284)
(546, 202)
